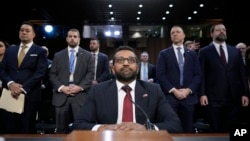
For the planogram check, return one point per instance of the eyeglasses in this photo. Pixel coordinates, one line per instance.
(121, 60)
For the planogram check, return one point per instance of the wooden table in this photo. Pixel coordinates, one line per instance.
(116, 136)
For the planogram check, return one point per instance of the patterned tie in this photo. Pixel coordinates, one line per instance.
(21, 55)
(72, 61)
(222, 55)
(127, 115)
(181, 64)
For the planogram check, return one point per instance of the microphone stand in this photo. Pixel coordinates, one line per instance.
(149, 126)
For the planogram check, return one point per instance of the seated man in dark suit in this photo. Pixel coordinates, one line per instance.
(104, 110)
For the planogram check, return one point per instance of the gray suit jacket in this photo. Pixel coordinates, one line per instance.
(59, 74)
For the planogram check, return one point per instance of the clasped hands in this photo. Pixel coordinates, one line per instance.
(181, 93)
(124, 126)
(71, 90)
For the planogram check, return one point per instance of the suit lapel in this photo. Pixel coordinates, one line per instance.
(112, 95)
(65, 61)
(214, 51)
(80, 57)
(230, 54)
(141, 98)
(172, 55)
(26, 57)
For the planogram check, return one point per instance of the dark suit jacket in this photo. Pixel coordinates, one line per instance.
(46, 85)
(219, 80)
(168, 73)
(101, 107)
(102, 72)
(59, 74)
(29, 74)
(151, 72)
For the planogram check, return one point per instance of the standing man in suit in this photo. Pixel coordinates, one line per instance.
(103, 109)
(147, 70)
(71, 80)
(46, 112)
(242, 47)
(224, 88)
(101, 62)
(22, 71)
(178, 73)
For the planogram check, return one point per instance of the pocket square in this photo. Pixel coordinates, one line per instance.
(33, 54)
(145, 95)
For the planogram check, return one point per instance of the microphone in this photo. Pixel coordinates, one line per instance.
(148, 124)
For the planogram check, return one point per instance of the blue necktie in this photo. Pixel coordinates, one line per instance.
(145, 74)
(72, 61)
(181, 64)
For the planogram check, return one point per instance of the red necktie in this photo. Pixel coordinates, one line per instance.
(127, 115)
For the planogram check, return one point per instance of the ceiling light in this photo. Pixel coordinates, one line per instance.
(110, 5)
(163, 18)
(111, 12)
(107, 33)
(139, 12)
(117, 33)
(167, 12)
(189, 18)
(195, 12)
(138, 18)
(201, 5)
(140, 5)
(48, 28)
(171, 5)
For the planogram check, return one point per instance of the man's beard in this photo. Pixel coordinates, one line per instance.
(123, 77)
(221, 38)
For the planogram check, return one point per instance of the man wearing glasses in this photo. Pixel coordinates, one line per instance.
(107, 107)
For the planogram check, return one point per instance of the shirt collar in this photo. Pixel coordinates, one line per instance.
(28, 45)
(120, 85)
(175, 46)
(75, 48)
(218, 45)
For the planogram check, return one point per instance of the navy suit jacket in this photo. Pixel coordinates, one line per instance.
(101, 107)
(102, 72)
(168, 73)
(219, 80)
(59, 74)
(29, 74)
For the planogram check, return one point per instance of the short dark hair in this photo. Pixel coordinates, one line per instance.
(213, 27)
(74, 30)
(124, 47)
(30, 24)
(95, 39)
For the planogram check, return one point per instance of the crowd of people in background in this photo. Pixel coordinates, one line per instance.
(89, 90)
